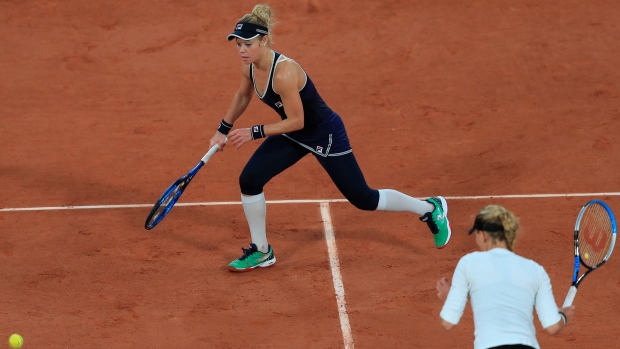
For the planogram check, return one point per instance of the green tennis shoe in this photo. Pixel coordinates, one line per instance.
(252, 258)
(438, 221)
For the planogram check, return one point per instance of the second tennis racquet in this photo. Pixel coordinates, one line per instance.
(595, 237)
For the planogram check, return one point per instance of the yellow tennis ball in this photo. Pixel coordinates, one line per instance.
(16, 341)
(587, 255)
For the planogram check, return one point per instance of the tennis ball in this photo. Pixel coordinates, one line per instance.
(586, 256)
(16, 341)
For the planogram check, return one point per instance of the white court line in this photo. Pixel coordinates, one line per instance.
(336, 276)
(480, 197)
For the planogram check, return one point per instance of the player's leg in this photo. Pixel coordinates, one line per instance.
(273, 156)
(348, 177)
(433, 211)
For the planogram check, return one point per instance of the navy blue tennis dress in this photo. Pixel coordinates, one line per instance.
(323, 133)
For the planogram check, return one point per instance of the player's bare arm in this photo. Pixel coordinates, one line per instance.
(242, 97)
(287, 81)
(238, 105)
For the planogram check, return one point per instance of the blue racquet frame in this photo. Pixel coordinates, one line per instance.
(173, 193)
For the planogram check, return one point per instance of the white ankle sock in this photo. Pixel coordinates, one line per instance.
(255, 208)
(395, 201)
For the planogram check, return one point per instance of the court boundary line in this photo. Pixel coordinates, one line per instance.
(334, 263)
(313, 201)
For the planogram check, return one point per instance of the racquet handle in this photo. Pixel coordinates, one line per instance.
(212, 151)
(572, 291)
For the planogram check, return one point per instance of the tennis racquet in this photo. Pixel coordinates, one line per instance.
(595, 237)
(172, 194)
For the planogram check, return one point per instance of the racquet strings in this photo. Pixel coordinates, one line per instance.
(166, 204)
(595, 235)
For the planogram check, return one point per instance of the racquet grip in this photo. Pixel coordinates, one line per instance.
(212, 151)
(572, 291)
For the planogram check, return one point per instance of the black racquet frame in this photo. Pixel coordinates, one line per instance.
(578, 261)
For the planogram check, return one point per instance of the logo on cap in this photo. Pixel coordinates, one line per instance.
(239, 26)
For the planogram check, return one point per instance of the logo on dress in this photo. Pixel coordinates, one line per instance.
(239, 26)
(319, 149)
(278, 104)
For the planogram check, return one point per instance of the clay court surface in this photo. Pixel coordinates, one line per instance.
(104, 104)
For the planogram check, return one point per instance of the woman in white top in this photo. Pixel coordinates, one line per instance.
(503, 288)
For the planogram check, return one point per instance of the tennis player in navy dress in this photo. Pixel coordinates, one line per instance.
(307, 125)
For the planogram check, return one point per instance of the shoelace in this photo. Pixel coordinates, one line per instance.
(428, 219)
(247, 252)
